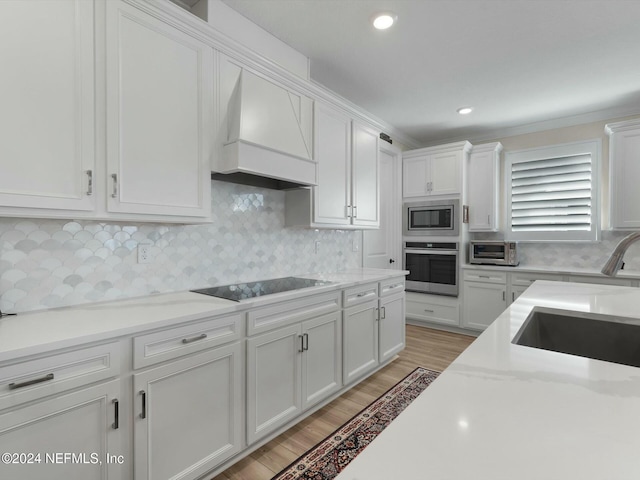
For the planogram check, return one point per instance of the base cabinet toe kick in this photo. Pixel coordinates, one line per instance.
(188, 401)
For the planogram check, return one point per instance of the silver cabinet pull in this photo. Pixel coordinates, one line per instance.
(305, 341)
(513, 296)
(384, 313)
(116, 414)
(194, 339)
(355, 211)
(143, 414)
(361, 294)
(89, 182)
(115, 185)
(349, 211)
(428, 311)
(46, 378)
(484, 276)
(301, 349)
(504, 295)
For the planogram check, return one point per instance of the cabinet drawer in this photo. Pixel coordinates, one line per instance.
(286, 313)
(38, 378)
(169, 344)
(487, 276)
(359, 294)
(526, 279)
(391, 286)
(439, 310)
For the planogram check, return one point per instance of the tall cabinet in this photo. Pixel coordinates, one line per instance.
(482, 187)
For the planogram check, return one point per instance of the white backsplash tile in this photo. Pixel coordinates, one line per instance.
(52, 263)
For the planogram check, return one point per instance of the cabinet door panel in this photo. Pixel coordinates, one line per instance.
(366, 184)
(445, 173)
(79, 423)
(360, 340)
(483, 191)
(273, 380)
(159, 84)
(483, 303)
(47, 97)
(625, 171)
(322, 358)
(193, 415)
(415, 173)
(391, 327)
(332, 146)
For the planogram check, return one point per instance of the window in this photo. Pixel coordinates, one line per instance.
(552, 192)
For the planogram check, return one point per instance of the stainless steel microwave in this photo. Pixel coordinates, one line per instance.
(493, 252)
(431, 218)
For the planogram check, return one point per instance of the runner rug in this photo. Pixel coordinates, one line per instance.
(328, 458)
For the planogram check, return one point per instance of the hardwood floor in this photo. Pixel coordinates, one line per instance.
(433, 349)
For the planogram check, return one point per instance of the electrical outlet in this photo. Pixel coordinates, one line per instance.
(317, 247)
(144, 253)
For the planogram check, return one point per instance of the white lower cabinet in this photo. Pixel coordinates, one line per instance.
(360, 340)
(439, 309)
(391, 327)
(290, 369)
(74, 435)
(483, 303)
(188, 414)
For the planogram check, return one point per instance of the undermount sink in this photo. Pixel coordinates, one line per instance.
(601, 337)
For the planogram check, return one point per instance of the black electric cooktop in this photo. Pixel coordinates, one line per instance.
(242, 291)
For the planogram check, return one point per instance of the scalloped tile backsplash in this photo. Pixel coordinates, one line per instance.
(53, 263)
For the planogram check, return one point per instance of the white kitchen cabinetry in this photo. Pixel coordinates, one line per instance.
(293, 367)
(434, 170)
(482, 187)
(52, 405)
(188, 414)
(348, 191)
(624, 171)
(391, 323)
(47, 119)
(484, 298)
(159, 109)
(519, 282)
(438, 309)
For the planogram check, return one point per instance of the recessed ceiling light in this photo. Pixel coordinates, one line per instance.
(464, 110)
(384, 20)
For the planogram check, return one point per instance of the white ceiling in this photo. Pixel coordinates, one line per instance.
(517, 62)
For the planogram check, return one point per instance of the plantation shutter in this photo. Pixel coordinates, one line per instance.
(553, 194)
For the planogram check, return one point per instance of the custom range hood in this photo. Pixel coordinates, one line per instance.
(269, 136)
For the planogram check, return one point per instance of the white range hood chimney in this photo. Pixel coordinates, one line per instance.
(269, 133)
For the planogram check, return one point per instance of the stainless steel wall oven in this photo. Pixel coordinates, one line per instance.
(433, 267)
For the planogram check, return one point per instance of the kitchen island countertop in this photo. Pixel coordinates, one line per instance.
(502, 411)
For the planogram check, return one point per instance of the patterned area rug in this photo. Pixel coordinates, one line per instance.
(333, 454)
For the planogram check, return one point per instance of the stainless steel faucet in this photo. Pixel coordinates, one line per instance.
(615, 260)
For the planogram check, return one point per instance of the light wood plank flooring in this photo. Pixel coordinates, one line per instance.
(433, 349)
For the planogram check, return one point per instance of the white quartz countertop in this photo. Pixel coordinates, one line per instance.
(38, 332)
(623, 274)
(503, 411)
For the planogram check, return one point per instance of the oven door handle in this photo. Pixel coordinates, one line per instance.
(429, 251)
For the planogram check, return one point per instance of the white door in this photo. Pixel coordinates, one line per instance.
(483, 303)
(188, 414)
(391, 326)
(366, 183)
(322, 358)
(47, 121)
(445, 173)
(82, 423)
(415, 175)
(359, 340)
(381, 248)
(159, 109)
(273, 380)
(332, 152)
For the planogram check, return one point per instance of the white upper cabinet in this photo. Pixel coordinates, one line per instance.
(482, 187)
(47, 154)
(434, 170)
(348, 190)
(159, 109)
(624, 172)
